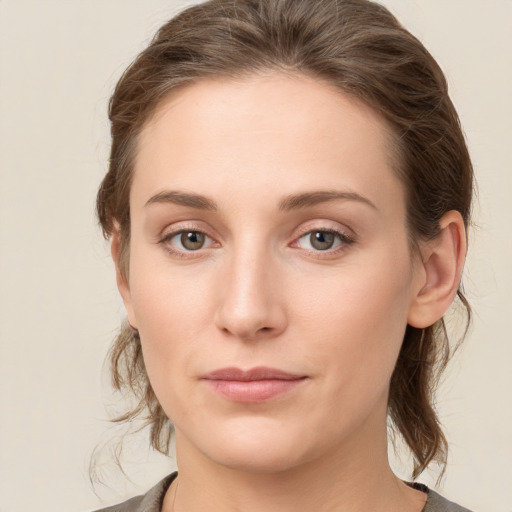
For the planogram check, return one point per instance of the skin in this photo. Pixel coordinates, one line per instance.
(259, 292)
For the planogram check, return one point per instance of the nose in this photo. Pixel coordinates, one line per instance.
(250, 305)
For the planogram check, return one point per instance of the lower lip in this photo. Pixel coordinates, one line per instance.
(253, 391)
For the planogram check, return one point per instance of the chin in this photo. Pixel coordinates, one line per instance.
(256, 445)
(258, 459)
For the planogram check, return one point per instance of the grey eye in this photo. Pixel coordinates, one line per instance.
(322, 240)
(192, 240)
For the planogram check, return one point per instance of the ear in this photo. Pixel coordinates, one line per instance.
(122, 277)
(442, 264)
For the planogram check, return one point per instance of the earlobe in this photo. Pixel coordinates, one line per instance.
(120, 264)
(442, 261)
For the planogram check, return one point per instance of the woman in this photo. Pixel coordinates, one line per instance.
(288, 196)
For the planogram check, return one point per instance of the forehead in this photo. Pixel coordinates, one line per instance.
(279, 130)
(270, 101)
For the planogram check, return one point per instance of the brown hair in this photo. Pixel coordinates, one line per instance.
(360, 48)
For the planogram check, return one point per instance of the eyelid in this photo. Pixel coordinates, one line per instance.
(328, 226)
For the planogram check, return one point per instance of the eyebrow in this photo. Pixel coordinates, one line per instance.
(287, 203)
(183, 199)
(309, 199)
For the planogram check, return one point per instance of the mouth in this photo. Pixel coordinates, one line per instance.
(252, 386)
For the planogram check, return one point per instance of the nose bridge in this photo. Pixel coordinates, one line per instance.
(249, 304)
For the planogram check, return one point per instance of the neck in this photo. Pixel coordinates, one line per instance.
(355, 477)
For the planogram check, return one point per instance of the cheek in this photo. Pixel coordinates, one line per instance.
(173, 308)
(358, 322)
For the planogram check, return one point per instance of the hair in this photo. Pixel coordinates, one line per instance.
(361, 49)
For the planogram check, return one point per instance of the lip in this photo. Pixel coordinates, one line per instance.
(255, 385)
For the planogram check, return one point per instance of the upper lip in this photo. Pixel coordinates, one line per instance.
(258, 373)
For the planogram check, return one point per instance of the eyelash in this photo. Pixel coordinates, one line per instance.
(344, 239)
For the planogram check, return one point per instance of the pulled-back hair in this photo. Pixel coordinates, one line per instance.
(358, 47)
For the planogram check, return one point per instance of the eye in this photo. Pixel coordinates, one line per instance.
(323, 240)
(186, 240)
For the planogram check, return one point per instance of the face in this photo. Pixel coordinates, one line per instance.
(270, 274)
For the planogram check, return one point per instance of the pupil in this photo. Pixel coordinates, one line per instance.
(192, 240)
(322, 240)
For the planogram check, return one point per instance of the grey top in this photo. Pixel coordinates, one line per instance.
(153, 499)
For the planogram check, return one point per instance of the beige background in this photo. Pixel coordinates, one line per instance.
(59, 60)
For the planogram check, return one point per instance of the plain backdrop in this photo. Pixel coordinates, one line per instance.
(59, 61)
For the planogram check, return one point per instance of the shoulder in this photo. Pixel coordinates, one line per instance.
(149, 502)
(130, 505)
(436, 503)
